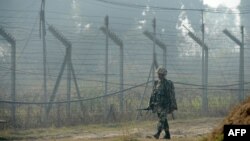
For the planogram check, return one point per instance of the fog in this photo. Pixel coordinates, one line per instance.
(79, 21)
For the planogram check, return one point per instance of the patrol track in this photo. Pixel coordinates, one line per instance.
(188, 130)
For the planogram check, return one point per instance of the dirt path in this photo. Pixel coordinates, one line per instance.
(181, 130)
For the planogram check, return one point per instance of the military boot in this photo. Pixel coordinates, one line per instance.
(167, 134)
(157, 135)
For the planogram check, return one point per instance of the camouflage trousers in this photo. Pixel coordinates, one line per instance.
(163, 121)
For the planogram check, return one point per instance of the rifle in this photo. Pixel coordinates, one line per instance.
(149, 108)
(146, 109)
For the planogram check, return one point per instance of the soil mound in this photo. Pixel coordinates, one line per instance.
(239, 115)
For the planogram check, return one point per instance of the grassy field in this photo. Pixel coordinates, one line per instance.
(181, 130)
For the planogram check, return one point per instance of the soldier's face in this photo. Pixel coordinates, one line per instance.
(160, 76)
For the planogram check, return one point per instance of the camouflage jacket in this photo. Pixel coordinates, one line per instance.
(163, 96)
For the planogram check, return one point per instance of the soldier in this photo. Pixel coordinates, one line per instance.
(162, 101)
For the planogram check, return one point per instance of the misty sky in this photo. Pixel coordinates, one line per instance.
(80, 20)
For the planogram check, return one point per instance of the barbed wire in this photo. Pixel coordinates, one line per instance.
(107, 95)
(93, 39)
(78, 100)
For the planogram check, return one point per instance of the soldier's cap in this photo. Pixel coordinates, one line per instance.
(161, 70)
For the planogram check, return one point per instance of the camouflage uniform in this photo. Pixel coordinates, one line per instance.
(163, 102)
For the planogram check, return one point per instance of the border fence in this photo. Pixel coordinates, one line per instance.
(68, 76)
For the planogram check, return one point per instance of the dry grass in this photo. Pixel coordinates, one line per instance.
(240, 114)
(131, 138)
(181, 130)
